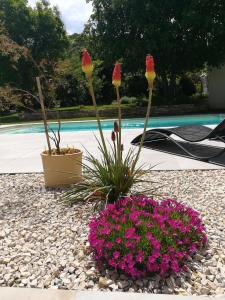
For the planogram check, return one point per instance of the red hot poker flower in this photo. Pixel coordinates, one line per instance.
(116, 77)
(87, 65)
(150, 69)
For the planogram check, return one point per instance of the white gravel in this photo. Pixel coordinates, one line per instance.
(43, 243)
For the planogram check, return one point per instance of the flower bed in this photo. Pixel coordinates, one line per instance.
(140, 236)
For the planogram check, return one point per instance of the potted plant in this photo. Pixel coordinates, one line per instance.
(61, 166)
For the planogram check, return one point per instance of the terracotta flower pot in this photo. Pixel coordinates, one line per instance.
(61, 170)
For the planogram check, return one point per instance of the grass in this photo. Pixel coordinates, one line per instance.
(89, 107)
(9, 119)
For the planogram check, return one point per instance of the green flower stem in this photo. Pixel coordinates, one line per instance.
(114, 148)
(150, 86)
(117, 147)
(120, 122)
(91, 90)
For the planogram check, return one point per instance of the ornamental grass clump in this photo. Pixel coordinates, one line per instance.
(114, 173)
(140, 236)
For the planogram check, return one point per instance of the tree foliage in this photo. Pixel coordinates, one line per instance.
(181, 35)
(40, 31)
(71, 83)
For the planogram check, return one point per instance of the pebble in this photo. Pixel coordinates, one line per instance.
(123, 284)
(2, 235)
(71, 270)
(104, 282)
(44, 243)
(140, 283)
(34, 283)
(90, 273)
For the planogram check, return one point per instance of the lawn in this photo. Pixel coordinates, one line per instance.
(90, 107)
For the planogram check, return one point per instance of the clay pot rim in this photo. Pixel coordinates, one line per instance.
(62, 155)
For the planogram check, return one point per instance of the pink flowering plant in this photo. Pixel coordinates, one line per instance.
(140, 236)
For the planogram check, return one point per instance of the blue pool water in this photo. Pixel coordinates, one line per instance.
(127, 124)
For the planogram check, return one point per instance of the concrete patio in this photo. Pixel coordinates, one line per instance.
(20, 153)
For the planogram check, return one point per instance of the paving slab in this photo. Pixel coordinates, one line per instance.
(135, 296)
(51, 294)
(35, 294)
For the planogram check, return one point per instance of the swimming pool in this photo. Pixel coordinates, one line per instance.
(126, 124)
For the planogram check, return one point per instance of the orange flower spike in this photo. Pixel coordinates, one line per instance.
(87, 65)
(116, 77)
(150, 69)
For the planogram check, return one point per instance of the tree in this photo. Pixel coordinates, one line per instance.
(181, 35)
(41, 32)
(71, 84)
(49, 35)
(10, 52)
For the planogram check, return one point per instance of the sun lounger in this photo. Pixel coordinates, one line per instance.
(161, 139)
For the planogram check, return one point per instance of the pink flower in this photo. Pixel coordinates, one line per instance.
(155, 244)
(134, 216)
(112, 263)
(137, 237)
(175, 266)
(186, 240)
(116, 254)
(122, 265)
(117, 227)
(108, 245)
(170, 249)
(192, 248)
(129, 244)
(139, 257)
(151, 259)
(152, 267)
(180, 255)
(149, 236)
(118, 240)
(129, 233)
(105, 231)
(123, 219)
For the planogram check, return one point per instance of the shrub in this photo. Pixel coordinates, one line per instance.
(187, 85)
(128, 100)
(142, 102)
(140, 236)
